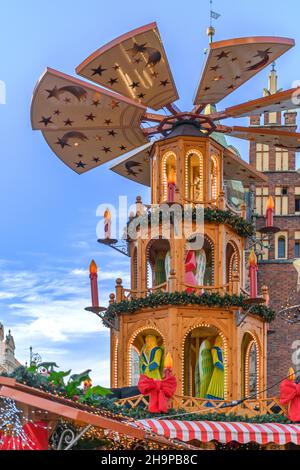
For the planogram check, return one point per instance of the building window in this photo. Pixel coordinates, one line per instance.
(297, 249)
(297, 204)
(281, 160)
(262, 157)
(262, 195)
(281, 247)
(281, 200)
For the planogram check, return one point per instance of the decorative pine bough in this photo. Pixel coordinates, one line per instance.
(216, 216)
(99, 398)
(184, 298)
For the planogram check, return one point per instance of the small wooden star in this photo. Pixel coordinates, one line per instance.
(98, 71)
(134, 85)
(95, 103)
(112, 133)
(46, 121)
(222, 55)
(115, 104)
(62, 143)
(90, 117)
(112, 81)
(80, 164)
(68, 122)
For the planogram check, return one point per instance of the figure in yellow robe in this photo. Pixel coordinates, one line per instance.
(216, 386)
(206, 367)
(151, 358)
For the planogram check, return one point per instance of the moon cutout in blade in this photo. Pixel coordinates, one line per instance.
(265, 56)
(64, 140)
(129, 167)
(79, 92)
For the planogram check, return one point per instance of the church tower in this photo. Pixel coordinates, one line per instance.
(279, 263)
(189, 166)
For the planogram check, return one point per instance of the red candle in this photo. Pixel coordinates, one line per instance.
(171, 185)
(269, 212)
(253, 274)
(94, 283)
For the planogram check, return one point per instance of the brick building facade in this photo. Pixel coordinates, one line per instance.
(277, 267)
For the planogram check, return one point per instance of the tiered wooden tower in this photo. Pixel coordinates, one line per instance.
(196, 166)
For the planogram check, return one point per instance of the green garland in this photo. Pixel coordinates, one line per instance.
(217, 216)
(184, 298)
(238, 224)
(25, 376)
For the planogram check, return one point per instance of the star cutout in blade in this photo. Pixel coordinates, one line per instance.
(90, 117)
(54, 93)
(67, 100)
(112, 81)
(57, 112)
(96, 159)
(116, 67)
(106, 149)
(112, 133)
(98, 71)
(68, 122)
(164, 83)
(115, 104)
(154, 74)
(223, 55)
(46, 121)
(137, 48)
(108, 122)
(215, 68)
(134, 85)
(141, 95)
(62, 143)
(95, 103)
(122, 147)
(80, 164)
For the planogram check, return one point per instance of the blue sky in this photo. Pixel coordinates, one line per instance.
(48, 213)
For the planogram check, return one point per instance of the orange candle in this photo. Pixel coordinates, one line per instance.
(94, 283)
(253, 274)
(270, 212)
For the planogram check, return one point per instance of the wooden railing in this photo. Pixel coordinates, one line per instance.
(132, 293)
(252, 407)
(212, 289)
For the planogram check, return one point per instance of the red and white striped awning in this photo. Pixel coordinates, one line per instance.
(205, 431)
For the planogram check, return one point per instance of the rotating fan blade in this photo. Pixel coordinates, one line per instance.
(135, 65)
(273, 137)
(232, 62)
(136, 165)
(278, 102)
(237, 169)
(83, 124)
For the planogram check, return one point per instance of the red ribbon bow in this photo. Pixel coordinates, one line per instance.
(159, 392)
(290, 394)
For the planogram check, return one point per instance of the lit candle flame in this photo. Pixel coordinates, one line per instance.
(168, 362)
(252, 258)
(107, 215)
(93, 267)
(270, 203)
(172, 176)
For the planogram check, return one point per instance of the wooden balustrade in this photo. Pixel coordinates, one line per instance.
(250, 408)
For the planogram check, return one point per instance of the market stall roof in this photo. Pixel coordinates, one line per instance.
(86, 415)
(206, 431)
